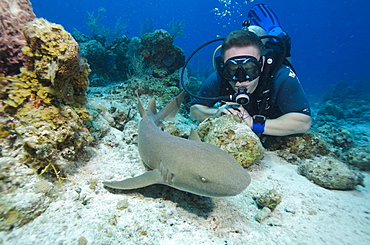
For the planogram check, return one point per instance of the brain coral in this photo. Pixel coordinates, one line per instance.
(14, 13)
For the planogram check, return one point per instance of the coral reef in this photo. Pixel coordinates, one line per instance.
(236, 138)
(42, 113)
(14, 13)
(161, 55)
(94, 21)
(165, 88)
(328, 137)
(120, 48)
(120, 58)
(344, 102)
(111, 62)
(98, 58)
(42, 121)
(121, 110)
(330, 173)
(332, 111)
(350, 147)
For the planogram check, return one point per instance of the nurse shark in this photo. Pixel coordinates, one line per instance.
(185, 164)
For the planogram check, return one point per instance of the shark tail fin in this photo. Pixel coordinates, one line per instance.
(167, 113)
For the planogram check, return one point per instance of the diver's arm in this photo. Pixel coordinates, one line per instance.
(201, 112)
(290, 123)
(287, 124)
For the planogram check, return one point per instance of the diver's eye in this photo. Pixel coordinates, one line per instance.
(204, 180)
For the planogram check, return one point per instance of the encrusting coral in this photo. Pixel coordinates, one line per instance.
(41, 108)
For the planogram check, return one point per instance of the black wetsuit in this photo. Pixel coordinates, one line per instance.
(286, 96)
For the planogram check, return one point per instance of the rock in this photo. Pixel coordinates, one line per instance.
(42, 186)
(234, 137)
(123, 204)
(82, 241)
(263, 214)
(268, 199)
(330, 173)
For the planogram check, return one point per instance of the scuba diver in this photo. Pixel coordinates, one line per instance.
(255, 80)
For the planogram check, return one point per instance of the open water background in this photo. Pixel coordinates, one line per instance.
(330, 38)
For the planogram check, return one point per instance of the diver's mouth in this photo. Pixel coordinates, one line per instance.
(237, 87)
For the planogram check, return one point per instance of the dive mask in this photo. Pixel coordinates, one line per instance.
(241, 68)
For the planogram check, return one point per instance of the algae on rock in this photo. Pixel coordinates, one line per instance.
(234, 137)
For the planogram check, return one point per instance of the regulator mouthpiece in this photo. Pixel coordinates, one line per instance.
(241, 97)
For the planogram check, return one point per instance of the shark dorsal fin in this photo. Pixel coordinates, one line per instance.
(141, 107)
(194, 135)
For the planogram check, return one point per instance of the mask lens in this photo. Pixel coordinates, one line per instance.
(243, 68)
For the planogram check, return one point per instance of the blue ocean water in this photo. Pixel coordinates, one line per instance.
(329, 38)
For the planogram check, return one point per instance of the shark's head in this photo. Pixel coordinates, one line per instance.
(216, 175)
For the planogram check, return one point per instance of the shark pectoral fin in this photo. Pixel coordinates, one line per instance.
(146, 179)
(194, 135)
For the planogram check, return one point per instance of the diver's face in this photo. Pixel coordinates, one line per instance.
(243, 51)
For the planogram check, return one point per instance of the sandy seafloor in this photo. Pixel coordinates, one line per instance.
(308, 214)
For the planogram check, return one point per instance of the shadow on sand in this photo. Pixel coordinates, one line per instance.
(199, 205)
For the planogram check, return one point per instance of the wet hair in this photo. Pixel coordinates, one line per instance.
(242, 38)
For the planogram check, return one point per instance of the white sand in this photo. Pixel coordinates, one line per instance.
(308, 214)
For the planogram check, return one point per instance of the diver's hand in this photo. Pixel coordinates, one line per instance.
(231, 108)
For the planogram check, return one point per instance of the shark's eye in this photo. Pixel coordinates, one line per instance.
(204, 180)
